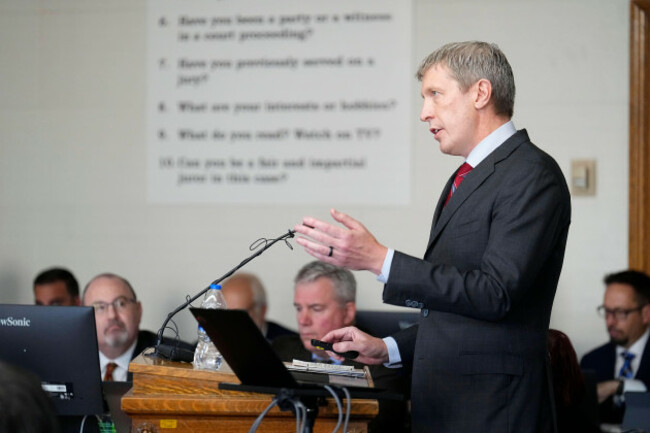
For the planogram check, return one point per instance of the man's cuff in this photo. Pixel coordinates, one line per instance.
(394, 358)
(385, 268)
(632, 385)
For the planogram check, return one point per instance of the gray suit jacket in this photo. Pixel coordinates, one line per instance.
(485, 289)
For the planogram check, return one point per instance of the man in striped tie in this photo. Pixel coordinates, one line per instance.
(623, 364)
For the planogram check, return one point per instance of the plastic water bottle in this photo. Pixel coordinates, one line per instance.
(206, 355)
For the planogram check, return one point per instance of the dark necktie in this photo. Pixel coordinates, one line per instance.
(626, 370)
(460, 175)
(110, 367)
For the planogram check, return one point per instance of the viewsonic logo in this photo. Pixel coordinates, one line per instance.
(10, 321)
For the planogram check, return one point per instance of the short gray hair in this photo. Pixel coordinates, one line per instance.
(472, 61)
(345, 286)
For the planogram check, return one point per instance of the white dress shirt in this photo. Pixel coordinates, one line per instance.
(122, 361)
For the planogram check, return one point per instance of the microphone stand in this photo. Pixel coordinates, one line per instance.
(176, 353)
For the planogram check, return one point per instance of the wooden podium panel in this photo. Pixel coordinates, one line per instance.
(172, 397)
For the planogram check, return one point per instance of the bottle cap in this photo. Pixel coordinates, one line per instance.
(215, 286)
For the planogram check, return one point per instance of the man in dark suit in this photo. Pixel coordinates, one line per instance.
(244, 291)
(626, 309)
(325, 299)
(117, 317)
(486, 284)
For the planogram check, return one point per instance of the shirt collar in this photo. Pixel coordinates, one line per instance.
(264, 328)
(122, 361)
(491, 142)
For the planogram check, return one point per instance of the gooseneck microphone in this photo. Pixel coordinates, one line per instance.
(174, 352)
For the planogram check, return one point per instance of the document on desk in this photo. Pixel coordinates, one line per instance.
(332, 369)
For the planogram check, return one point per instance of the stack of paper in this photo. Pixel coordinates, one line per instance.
(318, 367)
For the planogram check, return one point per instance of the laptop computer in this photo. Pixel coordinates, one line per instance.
(637, 412)
(255, 363)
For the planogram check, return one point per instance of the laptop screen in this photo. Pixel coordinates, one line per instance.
(244, 348)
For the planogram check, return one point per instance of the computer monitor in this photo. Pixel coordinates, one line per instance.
(59, 345)
(637, 412)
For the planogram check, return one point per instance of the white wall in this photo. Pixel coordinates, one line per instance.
(73, 154)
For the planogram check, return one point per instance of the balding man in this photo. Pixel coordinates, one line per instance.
(245, 291)
(117, 316)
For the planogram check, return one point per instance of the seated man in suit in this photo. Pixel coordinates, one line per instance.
(117, 316)
(245, 291)
(623, 364)
(56, 286)
(325, 299)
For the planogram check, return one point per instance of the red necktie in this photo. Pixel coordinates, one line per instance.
(108, 376)
(460, 175)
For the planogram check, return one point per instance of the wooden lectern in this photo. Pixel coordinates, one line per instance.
(172, 397)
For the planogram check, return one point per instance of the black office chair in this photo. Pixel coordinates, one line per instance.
(383, 323)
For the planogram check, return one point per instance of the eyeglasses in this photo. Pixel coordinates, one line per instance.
(119, 304)
(618, 313)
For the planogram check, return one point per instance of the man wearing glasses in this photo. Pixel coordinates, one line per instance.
(117, 317)
(623, 364)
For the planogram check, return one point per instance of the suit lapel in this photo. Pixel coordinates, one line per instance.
(644, 366)
(609, 365)
(471, 183)
(440, 205)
